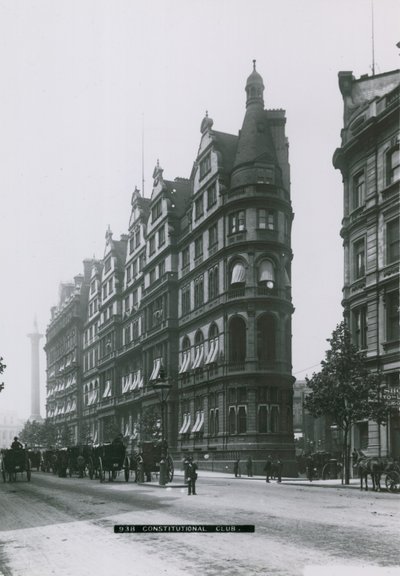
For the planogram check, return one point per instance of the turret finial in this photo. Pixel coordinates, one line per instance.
(254, 64)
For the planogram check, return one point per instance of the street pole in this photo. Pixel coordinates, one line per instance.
(162, 386)
(163, 464)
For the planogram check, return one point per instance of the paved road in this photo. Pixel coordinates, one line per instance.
(65, 527)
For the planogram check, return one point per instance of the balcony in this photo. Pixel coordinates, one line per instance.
(236, 366)
(239, 237)
(239, 292)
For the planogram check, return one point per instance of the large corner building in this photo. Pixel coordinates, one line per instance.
(198, 293)
(369, 160)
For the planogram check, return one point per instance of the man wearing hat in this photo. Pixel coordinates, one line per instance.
(16, 444)
(191, 476)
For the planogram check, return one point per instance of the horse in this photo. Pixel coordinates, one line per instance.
(370, 465)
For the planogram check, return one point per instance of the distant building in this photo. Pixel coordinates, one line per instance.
(197, 294)
(369, 160)
(64, 357)
(313, 434)
(10, 426)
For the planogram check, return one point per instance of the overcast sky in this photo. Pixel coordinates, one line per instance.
(77, 80)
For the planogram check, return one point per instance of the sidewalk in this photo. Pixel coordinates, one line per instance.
(229, 477)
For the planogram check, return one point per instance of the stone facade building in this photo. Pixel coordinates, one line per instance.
(198, 295)
(369, 160)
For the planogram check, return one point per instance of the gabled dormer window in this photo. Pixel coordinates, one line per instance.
(205, 166)
(156, 210)
(199, 207)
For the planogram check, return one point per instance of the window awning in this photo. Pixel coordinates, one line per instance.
(156, 369)
(199, 357)
(125, 383)
(238, 273)
(185, 417)
(107, 390)
(127, 432)
(134, 381)
(212, 353)
(73, 407)
(201, 424)
(266, 272)
(185, 362)
(186, 426)
(95, 437)
(198, 425)
(140, 379)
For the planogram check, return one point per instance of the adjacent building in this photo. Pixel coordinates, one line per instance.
(369, 160)
(197, 295)
(10, 426)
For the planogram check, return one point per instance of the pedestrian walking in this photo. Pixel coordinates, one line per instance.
(268, 468)
(192, 476)
(249, 466)
(236, 468)
(186, 462)
(278, 469)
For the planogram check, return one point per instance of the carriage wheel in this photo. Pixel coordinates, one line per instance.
(170, 469)
(392, 481)
(28, 474)
(3, 473)
(101, 471)
(326, 472)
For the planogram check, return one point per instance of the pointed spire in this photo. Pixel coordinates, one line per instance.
(108, 234)
(255, 88)
(206, 123)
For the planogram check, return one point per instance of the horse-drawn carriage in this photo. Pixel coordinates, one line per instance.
(111, 458)
(80, 459)
(376, 467)
(49, 458)
(147, 461)
(35, 456)
(319, 465)
(15, 461)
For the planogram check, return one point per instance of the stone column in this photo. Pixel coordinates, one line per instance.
(35, 377)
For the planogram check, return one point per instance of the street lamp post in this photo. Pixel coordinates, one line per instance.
(163, 387)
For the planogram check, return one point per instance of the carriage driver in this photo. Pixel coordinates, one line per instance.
(16, 444)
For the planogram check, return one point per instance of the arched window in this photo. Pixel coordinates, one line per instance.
(185, 362)
(266, 274)
(241, 420)
(211, 426)
(199, 349)
(266, 339)
(274, 419)
(213, 283)
(238, 274)
(213, 345)
(262, 419)
(232, 420)
(216, 422)
(237, 340)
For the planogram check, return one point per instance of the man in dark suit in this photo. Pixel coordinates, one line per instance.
(191, 476)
